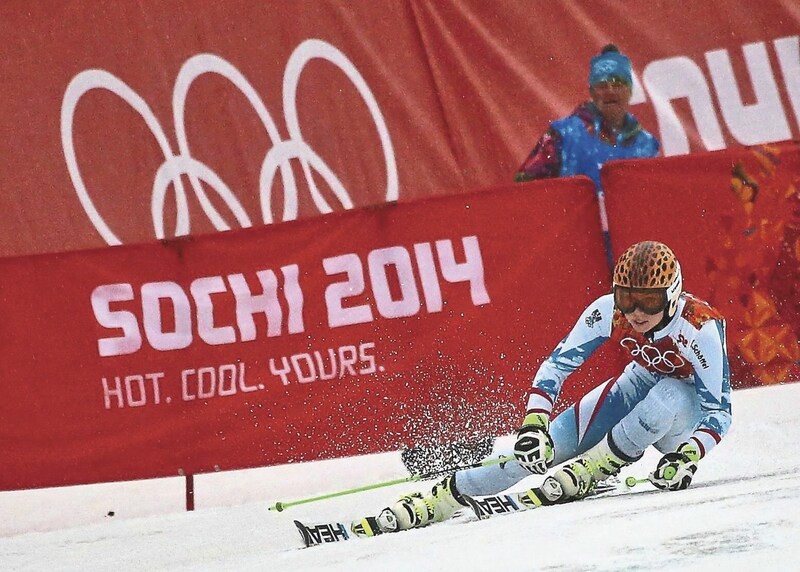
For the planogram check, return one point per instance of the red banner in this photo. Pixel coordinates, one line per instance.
(125, 122)
(334, 336)
(733, 219)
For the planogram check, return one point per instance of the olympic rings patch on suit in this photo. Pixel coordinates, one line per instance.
(667, 362)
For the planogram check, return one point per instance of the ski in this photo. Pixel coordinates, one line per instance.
(322, 533)
(483, 507)
(548, 494)
(326, 532)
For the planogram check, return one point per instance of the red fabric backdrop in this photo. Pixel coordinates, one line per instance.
(407, 99)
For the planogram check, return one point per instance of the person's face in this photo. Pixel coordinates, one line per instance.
(641, 322)
(611, 98)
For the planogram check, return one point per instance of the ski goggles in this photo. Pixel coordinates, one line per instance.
(649, 300)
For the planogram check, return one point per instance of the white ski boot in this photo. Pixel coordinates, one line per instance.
(416, 510)
(580, 477)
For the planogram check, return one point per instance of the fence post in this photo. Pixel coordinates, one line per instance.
(189, 492)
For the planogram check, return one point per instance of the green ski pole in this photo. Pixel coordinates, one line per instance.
(280, 506)
(633, 481)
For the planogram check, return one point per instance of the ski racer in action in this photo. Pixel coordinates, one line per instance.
(674, 395)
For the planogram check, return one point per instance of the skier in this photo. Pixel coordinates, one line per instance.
(674, 395)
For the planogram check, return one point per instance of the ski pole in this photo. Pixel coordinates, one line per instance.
(601, 206)
(281, 506)
(633, 481)
(669, 472)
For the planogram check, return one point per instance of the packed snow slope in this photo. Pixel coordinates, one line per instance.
(741, 513)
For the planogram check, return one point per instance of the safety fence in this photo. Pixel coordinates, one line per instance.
(372, 329)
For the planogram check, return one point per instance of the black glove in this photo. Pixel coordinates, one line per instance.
(534, 448)
(674, 471)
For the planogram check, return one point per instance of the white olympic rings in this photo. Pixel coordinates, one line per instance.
(667, 362)
(182, 163)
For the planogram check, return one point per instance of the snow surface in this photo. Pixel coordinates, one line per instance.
(741, 513)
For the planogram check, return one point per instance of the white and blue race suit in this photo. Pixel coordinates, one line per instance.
(679, 376)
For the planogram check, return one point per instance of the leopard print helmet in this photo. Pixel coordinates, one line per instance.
(651, 264)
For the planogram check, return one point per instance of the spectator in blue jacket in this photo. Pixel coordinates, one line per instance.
(598, 130)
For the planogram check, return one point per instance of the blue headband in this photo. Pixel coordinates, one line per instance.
(608, 65)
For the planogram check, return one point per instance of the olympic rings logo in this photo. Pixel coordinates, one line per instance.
(667, 362)
(182, 162)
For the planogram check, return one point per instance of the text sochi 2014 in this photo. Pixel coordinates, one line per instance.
(192, 311)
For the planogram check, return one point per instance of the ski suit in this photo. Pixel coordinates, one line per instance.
(676, 388)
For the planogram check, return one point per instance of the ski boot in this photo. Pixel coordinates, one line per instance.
(581, 477)
(416, 510)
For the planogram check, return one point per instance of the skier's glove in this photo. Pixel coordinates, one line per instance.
(534, 447)
(674, 471)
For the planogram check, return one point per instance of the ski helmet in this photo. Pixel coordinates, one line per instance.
(650, 265)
